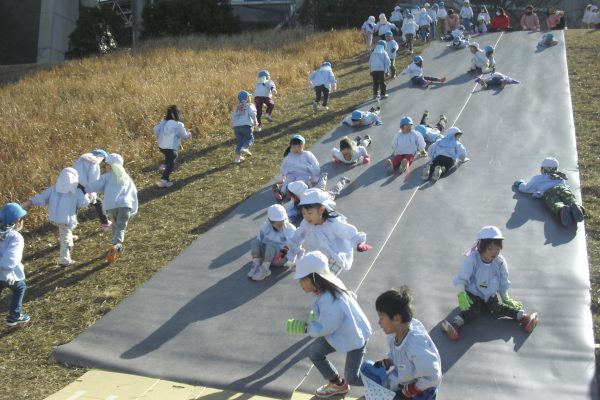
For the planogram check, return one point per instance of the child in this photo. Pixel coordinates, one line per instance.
(409, 31)
(384, 26)
(271, 238)
(443, 155)
(483, 20)
(298, 165)
(415, 72)
(364, 118)
(495, 80)
(482, 279)
(551, 186)
(413, 366)
(243, 121)
(530, 20)
(424, 22)
(391, 47)
(367, 30)
(500, 22)
(547, 41)
(324, 230)
(263, 95)
(323, 81)
(588, 16)
(466, 16)
(459, 40)
(433, 14)
(336, 321)
(379, 65)
(452, 21)
(63, 200)
(555, 19)
(120, 200)
(431, 134)
(480, 62)
(405, 143)
(295, 191)
(169, 133)
(442, 13)
(12, 274)
(352, 152)
(396, 16)
(88, 170)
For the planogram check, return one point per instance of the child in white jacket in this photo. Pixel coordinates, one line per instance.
(243, 121)
(368, 29)
(63, 200)
(323, 82)
(272, 236)
(480, 63)
(352, 152)
(88, 170)
(415, 73)
(169, 133)
(409, 31)
(263, 95)
(405, 144)
(443, 155)
(391, 48)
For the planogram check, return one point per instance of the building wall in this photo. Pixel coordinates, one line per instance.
(19, 27)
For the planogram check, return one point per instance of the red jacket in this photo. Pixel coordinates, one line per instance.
(500, 22)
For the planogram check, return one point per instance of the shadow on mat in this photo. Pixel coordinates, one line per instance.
(527, 208)
(485, 328)
(204, 306)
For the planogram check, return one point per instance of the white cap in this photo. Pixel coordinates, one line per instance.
(550, 162)
(276, 213)
(317, 263)
(114, 158)
(489, 232)
(317, 196)
(67, 180)
(297, 187)
(474, 44)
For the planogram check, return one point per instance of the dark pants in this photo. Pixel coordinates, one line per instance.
(97, 206)
(258, 102)
(493, 305)
(378, 83)
(16, 300)
(393, 67)
(561, 24)
(321, 90)
(494, 82)
(170, 157)
(422, 80)
(409, 41)
(427, 394)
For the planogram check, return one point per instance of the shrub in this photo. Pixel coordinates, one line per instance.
(97, 32)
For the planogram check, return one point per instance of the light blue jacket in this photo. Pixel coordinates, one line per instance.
(483, 279)
(116, 195)
(169, 134)
(379, 61)
(87, 171)
(539, 184)
(323, 76)
(340, 321)
(448, 146)
(11, 253)
(62, 207)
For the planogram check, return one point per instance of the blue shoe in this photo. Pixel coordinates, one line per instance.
(13, 321)
(565, 216)
(577, 212)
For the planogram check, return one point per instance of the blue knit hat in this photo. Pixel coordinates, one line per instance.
(100, 153)
(11, 213)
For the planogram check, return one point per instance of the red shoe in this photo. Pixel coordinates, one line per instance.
(277, 193)
(451, 330)
(529, 322)
(443, 79)
(111, 256)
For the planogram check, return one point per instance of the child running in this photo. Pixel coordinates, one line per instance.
(88, 170)
(367, 29)
(272, 236)
(12, 273)
(263, 95)
(551, 186)
(243, 121)
(443, 155)
(63, 200)
(406, 143)
(482, 283)
(335, 320)
(409, 31)
(327, 231)
(364, 118)
(415, 73)
(379, 65)
(352, 152)
(120, 200)
(323, 81)
(169, 133)
(412, 367)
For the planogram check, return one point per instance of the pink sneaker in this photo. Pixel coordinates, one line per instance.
(451, 330)
(105, 227)
(529, 322)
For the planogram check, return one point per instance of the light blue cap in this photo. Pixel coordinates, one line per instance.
(299, 137)
(243, 95)
(264, 74)
(356, 115)
(406, 120)
(11, 213)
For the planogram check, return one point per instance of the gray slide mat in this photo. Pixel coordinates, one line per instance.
(201, 321)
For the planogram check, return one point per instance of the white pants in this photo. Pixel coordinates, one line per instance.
(65, 240)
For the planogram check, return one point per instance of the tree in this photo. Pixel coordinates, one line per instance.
(328, 14)
(98, 31)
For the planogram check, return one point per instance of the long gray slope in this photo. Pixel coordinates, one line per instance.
(201, 321)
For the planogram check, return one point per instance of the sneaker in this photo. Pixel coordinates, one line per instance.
(277, 193)
(529, 322)
(245, 152)
(410, 52)
(403, 166)
(237, 159)
(262, 272)
(162, 167)
(259, 128)
(21, 319)
(164, 183)
(367, 140)
(437, 173)
(255, 267)
(425, 174)
(326, 108)
(331, 389)
(451, 330)
(389, 166)
(565, 216)
(75, 238)
(372, 109)
(577, 212)
(106, 226)
(70, 264)
(111, 255)
(443, 80)
(315, 106)
(344, 180)
(384, 96)
(268, 117)
(357, 140)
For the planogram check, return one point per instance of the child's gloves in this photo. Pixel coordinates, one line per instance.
(410, 391)
(295, 327)
(363, 247)
(464, 301)
(423, 153)
(279, 256)
(312, 316)
(516, 184)
(366, 159)
(517, 305)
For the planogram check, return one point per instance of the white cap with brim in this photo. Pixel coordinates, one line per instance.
(317, 196)
(297, 187)
(489, 232)
(276, 213)
(550, 162)
(316, 262)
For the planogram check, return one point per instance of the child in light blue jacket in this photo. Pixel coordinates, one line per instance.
(169, 133)
(324, 82)
(120, 200)
(336, 321)
(63, 200)
(379, 65)
(443, 155)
